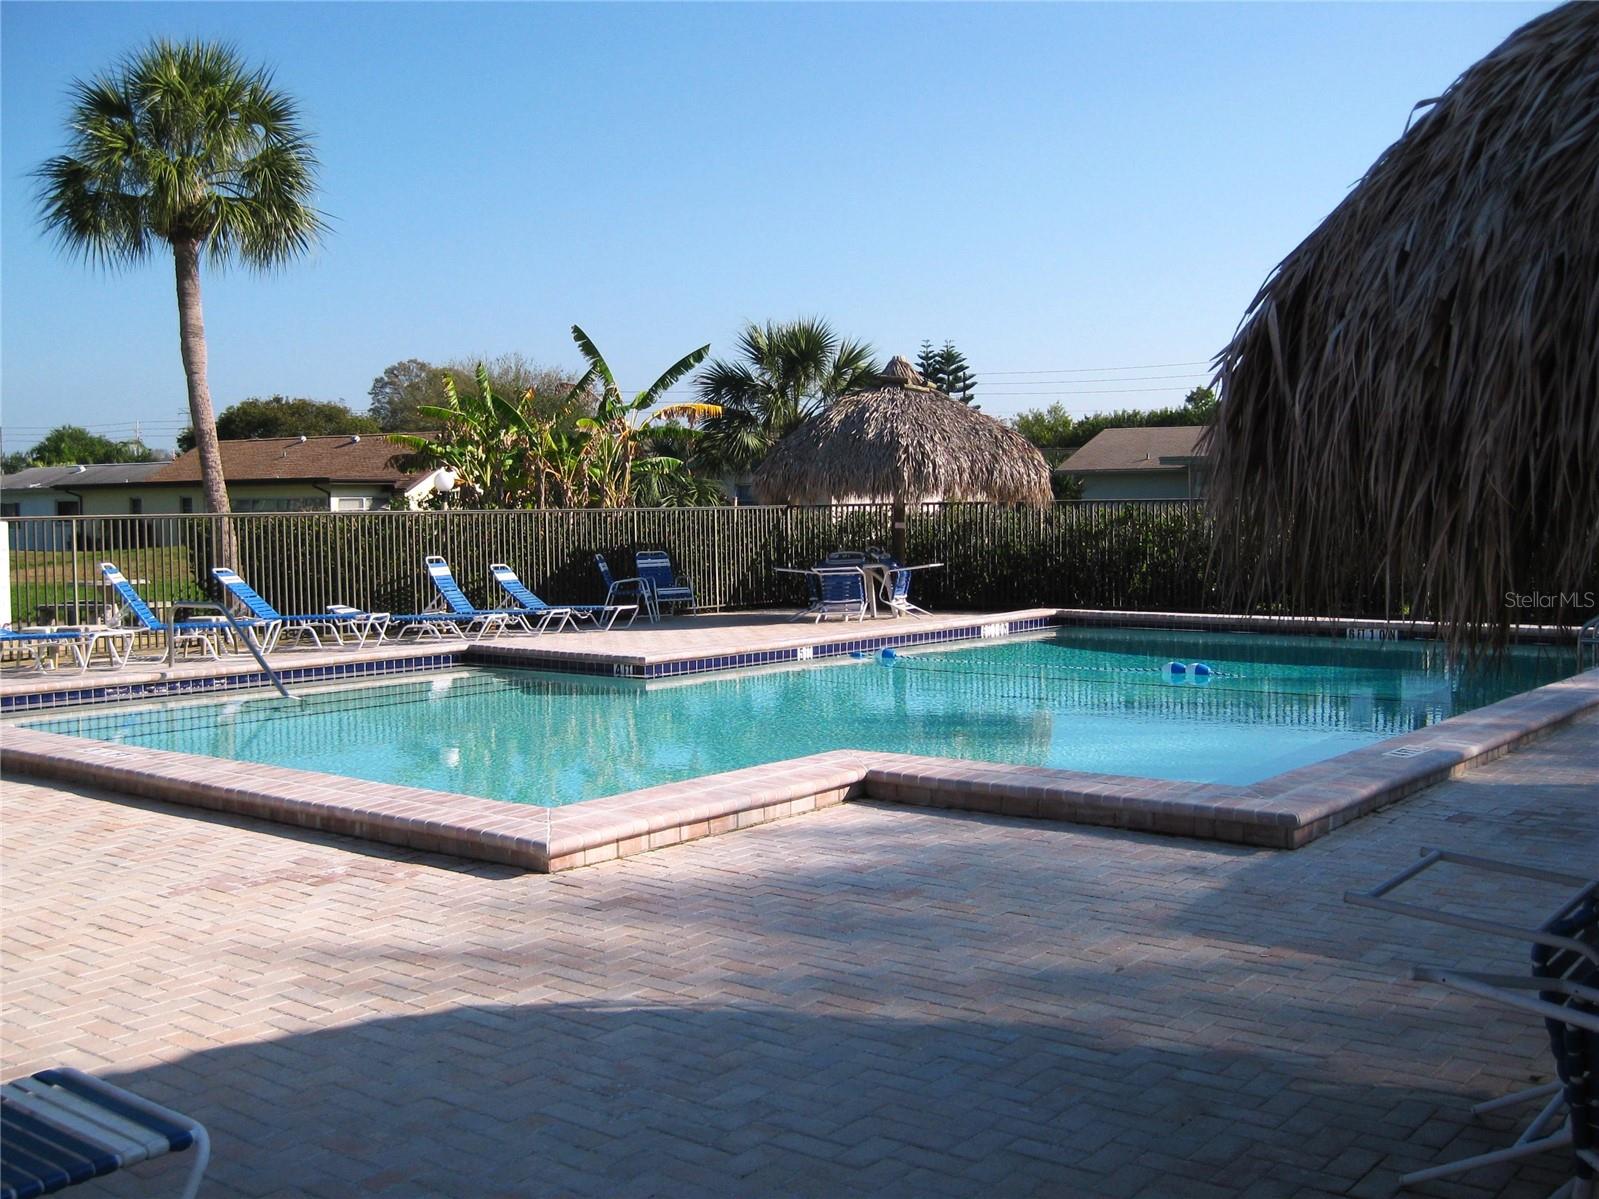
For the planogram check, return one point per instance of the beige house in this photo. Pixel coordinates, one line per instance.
(344, 473)
(1141, 464)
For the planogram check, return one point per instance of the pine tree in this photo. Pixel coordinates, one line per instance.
(946, 369)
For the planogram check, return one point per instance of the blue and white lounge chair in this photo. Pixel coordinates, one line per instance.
(622, 588)
(81, 640)
(602, 616)
(474, 623)
(841, 591)
(665, 584)
(205, 635)
(62, 1127)
(275, 624)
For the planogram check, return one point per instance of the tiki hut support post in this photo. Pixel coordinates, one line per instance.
(902, 443)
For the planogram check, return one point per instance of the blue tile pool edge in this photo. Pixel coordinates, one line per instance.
(528, 657)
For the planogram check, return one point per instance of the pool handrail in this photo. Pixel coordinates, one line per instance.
(178, 632)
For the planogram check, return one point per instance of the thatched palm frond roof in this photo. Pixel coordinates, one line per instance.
(1416, 386)
(902, 442)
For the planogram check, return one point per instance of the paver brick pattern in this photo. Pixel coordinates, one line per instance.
(869, 1000)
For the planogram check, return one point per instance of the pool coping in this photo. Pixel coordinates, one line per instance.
(562, 653)
(1285, 811)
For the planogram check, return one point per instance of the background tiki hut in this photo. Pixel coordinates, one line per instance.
(1414, 392)
(904, 442)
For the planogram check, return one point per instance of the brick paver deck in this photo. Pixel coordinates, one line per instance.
(870, 1000)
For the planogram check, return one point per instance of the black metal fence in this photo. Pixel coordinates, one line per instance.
(1148, 556)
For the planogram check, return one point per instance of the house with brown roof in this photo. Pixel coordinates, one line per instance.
(343, 473)
(1141, 464)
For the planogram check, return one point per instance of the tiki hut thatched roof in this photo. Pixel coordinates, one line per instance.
(1416, 387)
(902, 442)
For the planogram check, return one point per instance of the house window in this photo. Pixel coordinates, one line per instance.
(135, 505)
(68, 507)
(277, 504)
(10, 510)
(352, 503)
(186, 503)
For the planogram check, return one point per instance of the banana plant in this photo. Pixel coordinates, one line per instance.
(614, 432)
(488, 441)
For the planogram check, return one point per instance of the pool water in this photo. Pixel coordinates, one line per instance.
(1090, 699)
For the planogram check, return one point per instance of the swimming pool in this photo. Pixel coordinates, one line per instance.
(1081, 699)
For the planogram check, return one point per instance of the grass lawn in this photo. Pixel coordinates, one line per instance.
(45, 577)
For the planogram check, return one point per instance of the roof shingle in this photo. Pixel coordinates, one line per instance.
(1167, 448)
(345, 458)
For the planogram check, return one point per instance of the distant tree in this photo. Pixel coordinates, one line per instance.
(400, 390)
(281, 416)
(182, 146)
(552, 398)
(72, 445)
(403, 389)
(790, 371)
(1201, 404)
(946, 369)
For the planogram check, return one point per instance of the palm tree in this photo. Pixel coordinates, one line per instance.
(182, 143)
(791, 370)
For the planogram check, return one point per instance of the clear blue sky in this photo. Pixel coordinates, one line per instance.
(1058, 188)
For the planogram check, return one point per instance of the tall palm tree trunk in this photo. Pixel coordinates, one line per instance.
(191, 339)
(191, 336)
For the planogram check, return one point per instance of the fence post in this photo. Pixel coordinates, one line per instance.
(5, 575)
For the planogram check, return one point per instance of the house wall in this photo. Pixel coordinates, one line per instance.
(243, 497)
(1136, 485)
(33, 502)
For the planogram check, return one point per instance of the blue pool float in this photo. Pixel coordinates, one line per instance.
(1176, 668)
(888, 657)
(1200, 670)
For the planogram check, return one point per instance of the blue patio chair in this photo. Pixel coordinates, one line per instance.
(665, 584)
(63, 1127)
(81, 640)
(564, 615)
(205, 635)
(633, 585)
(841, 592)
(275, 624)
(897, 593)
(473, 622)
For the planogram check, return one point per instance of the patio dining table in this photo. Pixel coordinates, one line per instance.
(879, 579)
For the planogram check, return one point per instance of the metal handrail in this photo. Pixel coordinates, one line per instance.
(1588, 638)
(239, 632)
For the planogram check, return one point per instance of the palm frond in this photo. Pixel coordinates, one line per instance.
(182, 142)
(648, 397)
(598, 367)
